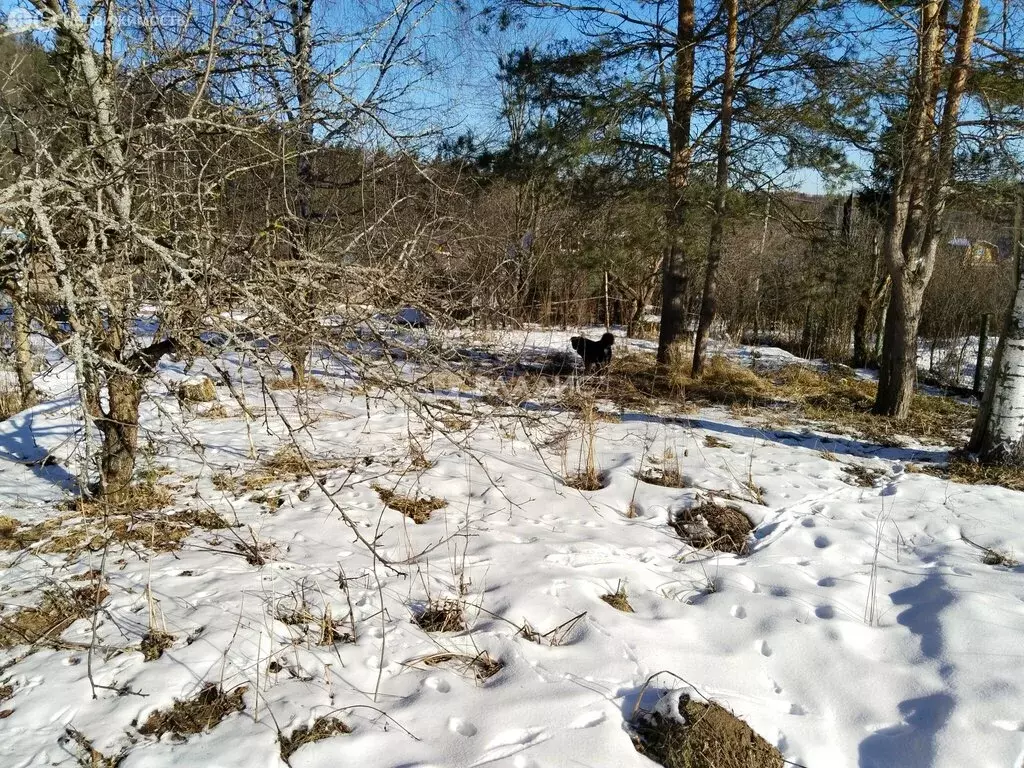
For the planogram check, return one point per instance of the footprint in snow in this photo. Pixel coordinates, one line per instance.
(825, 612)
(821, 542)
(588, 720)
(508, 743)
(738, 612)
(461, 727)
(437, 684)
(828, 581)
(764, 648)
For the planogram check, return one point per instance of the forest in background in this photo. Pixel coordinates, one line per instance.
(255, 170)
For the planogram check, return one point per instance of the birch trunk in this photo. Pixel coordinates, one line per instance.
(998, 436)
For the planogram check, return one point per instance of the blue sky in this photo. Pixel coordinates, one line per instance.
(457, 90)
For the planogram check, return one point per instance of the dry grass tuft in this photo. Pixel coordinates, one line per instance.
(288, 382)
(618, 599)
(588, 480)
(216, 411)
(993, 556)
(322, 628)
(726, 382)
(710, 441)
(141, 497)
(154, 644)
(553, 637)
(197, 715)
(87, 755)
(442, 616)
(43, 625)
(417, 509)
(961, 469)
(322, 728)
(706, 736)
(285, 465)
(14, 535)
(865, 477)
(713, 526)
(93, 530)
(202, 391)
(668, 477)
(481, 666)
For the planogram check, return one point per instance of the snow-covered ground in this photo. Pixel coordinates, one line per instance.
(860, 630)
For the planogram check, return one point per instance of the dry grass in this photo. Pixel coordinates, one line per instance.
(216, 411)
(553, 637)
(209, 707)
(961, 469)
(713, 526)
(992, 556)
(865, 477)
(710, 737)
(201, 391)
(320, 627)
(442, 616)
(416, 509)
(141, 497)
(667, 477)
(154, 644)
(588, 480)
(618, 599)
(43, 625)
(285, 465)
(710, 441)
(287, 382)
(92, 528)
(835, 397)
(322, 728)
(481, 666)
(87, 755)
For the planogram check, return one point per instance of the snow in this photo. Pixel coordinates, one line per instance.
(925, 673)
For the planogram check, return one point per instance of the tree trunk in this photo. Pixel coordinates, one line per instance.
(998, 436)
(914, 223)
(22, 349)
(866, 302)
(119, 426)
(897, 375)
(709, 301)
(675, 270)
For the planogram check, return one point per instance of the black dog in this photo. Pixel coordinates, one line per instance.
(595, 354)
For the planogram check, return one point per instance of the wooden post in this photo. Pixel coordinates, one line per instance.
(982, 343)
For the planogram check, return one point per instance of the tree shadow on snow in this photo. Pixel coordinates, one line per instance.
(911, 744)
(19, 436)
(846, 446)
